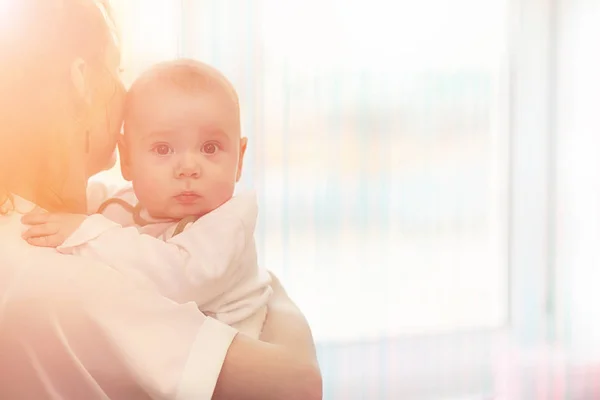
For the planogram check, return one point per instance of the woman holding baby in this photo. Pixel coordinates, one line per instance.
(75, 328)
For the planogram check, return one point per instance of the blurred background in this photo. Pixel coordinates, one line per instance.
(428, 183)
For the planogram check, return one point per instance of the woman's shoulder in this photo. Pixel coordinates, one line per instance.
(25, 268)
(19, 259)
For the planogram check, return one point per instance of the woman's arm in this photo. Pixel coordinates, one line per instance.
(288, 362)
(90, 321)
(286, 325)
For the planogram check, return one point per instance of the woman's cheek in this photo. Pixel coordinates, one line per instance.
(111, 161)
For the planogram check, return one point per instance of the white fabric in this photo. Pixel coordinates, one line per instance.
(212, 263)
(75, 328)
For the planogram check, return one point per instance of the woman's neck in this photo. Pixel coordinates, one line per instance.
(56, 181)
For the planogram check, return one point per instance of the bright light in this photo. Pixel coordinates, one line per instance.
(5, 6)
(150, 31)
(406, 34)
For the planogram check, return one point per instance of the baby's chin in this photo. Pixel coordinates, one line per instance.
(178, 215)
(187, 215)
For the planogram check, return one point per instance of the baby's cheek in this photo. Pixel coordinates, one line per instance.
(149, 189)
(222, 191)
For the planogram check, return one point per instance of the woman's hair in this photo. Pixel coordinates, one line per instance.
(40, 109)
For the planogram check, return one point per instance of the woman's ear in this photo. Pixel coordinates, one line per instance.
(124, 159)
(79, 77)
(243, 145)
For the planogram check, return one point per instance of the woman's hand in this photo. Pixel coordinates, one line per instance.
(50, 229)
(283, 365)
(286, 325)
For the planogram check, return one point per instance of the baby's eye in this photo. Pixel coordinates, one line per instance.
(162, 149)
(210, 148)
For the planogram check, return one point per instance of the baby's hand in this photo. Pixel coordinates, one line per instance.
(50, 230)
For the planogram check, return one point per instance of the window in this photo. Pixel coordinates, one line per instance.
(378, 148)
(384, 180)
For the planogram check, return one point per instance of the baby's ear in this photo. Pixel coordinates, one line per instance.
(124, 158)
(243, 145)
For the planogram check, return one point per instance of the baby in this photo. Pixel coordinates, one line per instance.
(178, 227)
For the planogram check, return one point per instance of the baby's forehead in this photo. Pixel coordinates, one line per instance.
(188, 76)
(155, 88)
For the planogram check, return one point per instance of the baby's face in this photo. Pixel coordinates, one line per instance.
(183, 151)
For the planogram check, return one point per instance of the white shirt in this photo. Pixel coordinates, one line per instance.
(212, 263)
(75, 328)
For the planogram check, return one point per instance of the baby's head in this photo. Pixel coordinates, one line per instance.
(182, 148)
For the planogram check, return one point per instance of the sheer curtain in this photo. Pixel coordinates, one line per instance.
(427, 180)
(391, 147)
(378, 148)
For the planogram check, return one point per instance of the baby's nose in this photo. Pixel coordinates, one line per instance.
(189, 167)
(188, 173)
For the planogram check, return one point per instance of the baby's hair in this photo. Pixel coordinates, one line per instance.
(185, 74)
